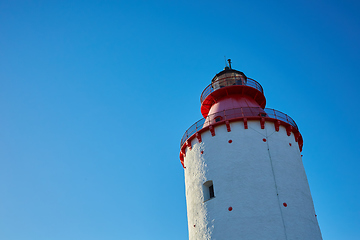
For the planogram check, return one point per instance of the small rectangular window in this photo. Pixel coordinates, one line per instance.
(218, 119)
(208, 190)
(211, 191)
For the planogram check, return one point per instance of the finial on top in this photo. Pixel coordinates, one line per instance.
(229, 61)
(227, 66)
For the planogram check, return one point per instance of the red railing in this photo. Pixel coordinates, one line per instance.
(230, 81)
(237, 113)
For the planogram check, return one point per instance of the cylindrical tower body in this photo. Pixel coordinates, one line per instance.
(244, 175)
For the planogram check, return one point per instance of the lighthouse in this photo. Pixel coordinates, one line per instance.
(244, 176)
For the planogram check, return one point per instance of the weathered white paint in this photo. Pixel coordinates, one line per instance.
(253, 177)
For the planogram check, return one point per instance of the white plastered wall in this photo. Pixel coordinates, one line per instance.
(253, 177)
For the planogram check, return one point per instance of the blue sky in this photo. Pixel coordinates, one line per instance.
(96, 95)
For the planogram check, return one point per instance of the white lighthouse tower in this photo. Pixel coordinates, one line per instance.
(244, 175)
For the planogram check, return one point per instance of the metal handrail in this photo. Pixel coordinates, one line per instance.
(230, 81)
(237, 113)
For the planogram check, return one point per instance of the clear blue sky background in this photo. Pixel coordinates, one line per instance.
(96, 95)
